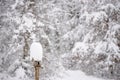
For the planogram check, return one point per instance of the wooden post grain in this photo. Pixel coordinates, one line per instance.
(37, 68)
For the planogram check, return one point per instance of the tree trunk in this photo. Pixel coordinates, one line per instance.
(26, 46)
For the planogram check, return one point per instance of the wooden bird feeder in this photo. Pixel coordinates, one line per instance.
(36, 53)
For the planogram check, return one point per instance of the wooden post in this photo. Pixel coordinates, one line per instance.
(37, 68)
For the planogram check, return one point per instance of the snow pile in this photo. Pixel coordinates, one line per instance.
(36, 51)
(78, 75)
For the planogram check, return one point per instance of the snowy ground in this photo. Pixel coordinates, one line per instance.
(69, 75)
(78, 75)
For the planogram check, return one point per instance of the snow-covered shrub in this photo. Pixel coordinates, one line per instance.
(13, 67)
(94, 53)
(110, 10)
(95, 18)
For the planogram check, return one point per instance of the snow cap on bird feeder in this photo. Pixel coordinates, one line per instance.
(36, 50)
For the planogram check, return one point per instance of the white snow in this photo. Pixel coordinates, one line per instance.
(109, 8)
(94, 18)
(116, 28)
(20, 73)
(101, 47)
(80, 46)
(36, 51)
(40, 23)
(14, 6)
(78, 75)
(69, 75)
(28, 21)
